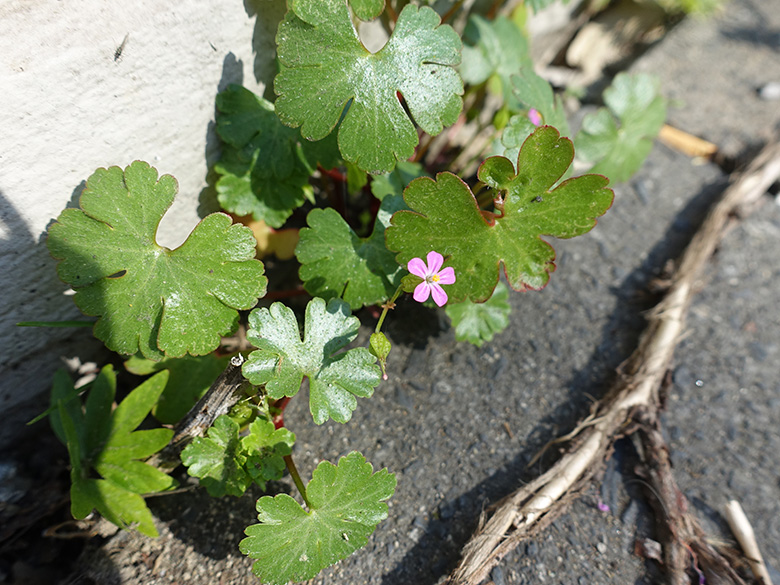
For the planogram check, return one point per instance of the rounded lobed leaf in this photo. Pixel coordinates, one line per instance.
(316, 87)
(151, 299)
(347, 502)
(479, 322)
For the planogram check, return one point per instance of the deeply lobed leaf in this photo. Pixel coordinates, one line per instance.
(105, 440)
(218, 459)
(617, 139)
(283, 359)
(265, 166)
(445, 217)
(335, 261)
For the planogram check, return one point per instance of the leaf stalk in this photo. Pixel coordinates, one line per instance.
(387, 306)
(288, 461)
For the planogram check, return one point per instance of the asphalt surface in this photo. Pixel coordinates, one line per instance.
(458, 424)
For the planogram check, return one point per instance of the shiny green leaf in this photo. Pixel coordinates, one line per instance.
(336, 262)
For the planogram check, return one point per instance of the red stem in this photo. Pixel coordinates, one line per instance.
(281, 404)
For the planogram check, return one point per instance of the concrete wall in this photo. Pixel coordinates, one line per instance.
(68, 106)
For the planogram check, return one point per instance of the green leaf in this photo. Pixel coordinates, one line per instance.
(327, 73)
(479, 322)
(190, 378)
(97, 413)
(347, 502)
(117, 505)
(617, 139)
(394, 182)
(496, 50)
(63, 393)
(356, 179)
(105, 440)
(367, 10)
(282, 360)
(446, 218)
(533, 92)
(149, 298)
(335, 262)
(218, 459)
(265, 166)
(227, 464)
(265, 448)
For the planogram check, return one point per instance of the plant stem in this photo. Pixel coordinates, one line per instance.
(392, 15)
(386, 307)
(278, 418)
(288, 460)
(453, 9)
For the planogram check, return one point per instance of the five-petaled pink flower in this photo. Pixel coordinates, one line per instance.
(534, 116)
(432, 277)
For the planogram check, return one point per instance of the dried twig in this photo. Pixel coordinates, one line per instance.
(685, 546)
(535, 505)
(742, 529)
(225, 392)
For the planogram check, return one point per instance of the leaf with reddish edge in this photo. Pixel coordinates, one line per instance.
(445, 217)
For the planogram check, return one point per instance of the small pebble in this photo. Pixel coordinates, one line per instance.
(497, 574)
(770, 92)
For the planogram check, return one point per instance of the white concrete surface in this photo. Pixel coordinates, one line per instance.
(68, 106)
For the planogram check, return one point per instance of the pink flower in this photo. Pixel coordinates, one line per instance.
(432, 277)
(534, 116)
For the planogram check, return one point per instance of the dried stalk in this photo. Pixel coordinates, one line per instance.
(742, 529)
(535, 505)
(684, 541)
(225, 392)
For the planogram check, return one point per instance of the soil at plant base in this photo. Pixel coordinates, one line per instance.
(459, 424)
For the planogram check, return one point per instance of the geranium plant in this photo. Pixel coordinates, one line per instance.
(344, 117)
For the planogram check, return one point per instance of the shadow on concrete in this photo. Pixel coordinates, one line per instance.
(434, 555)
